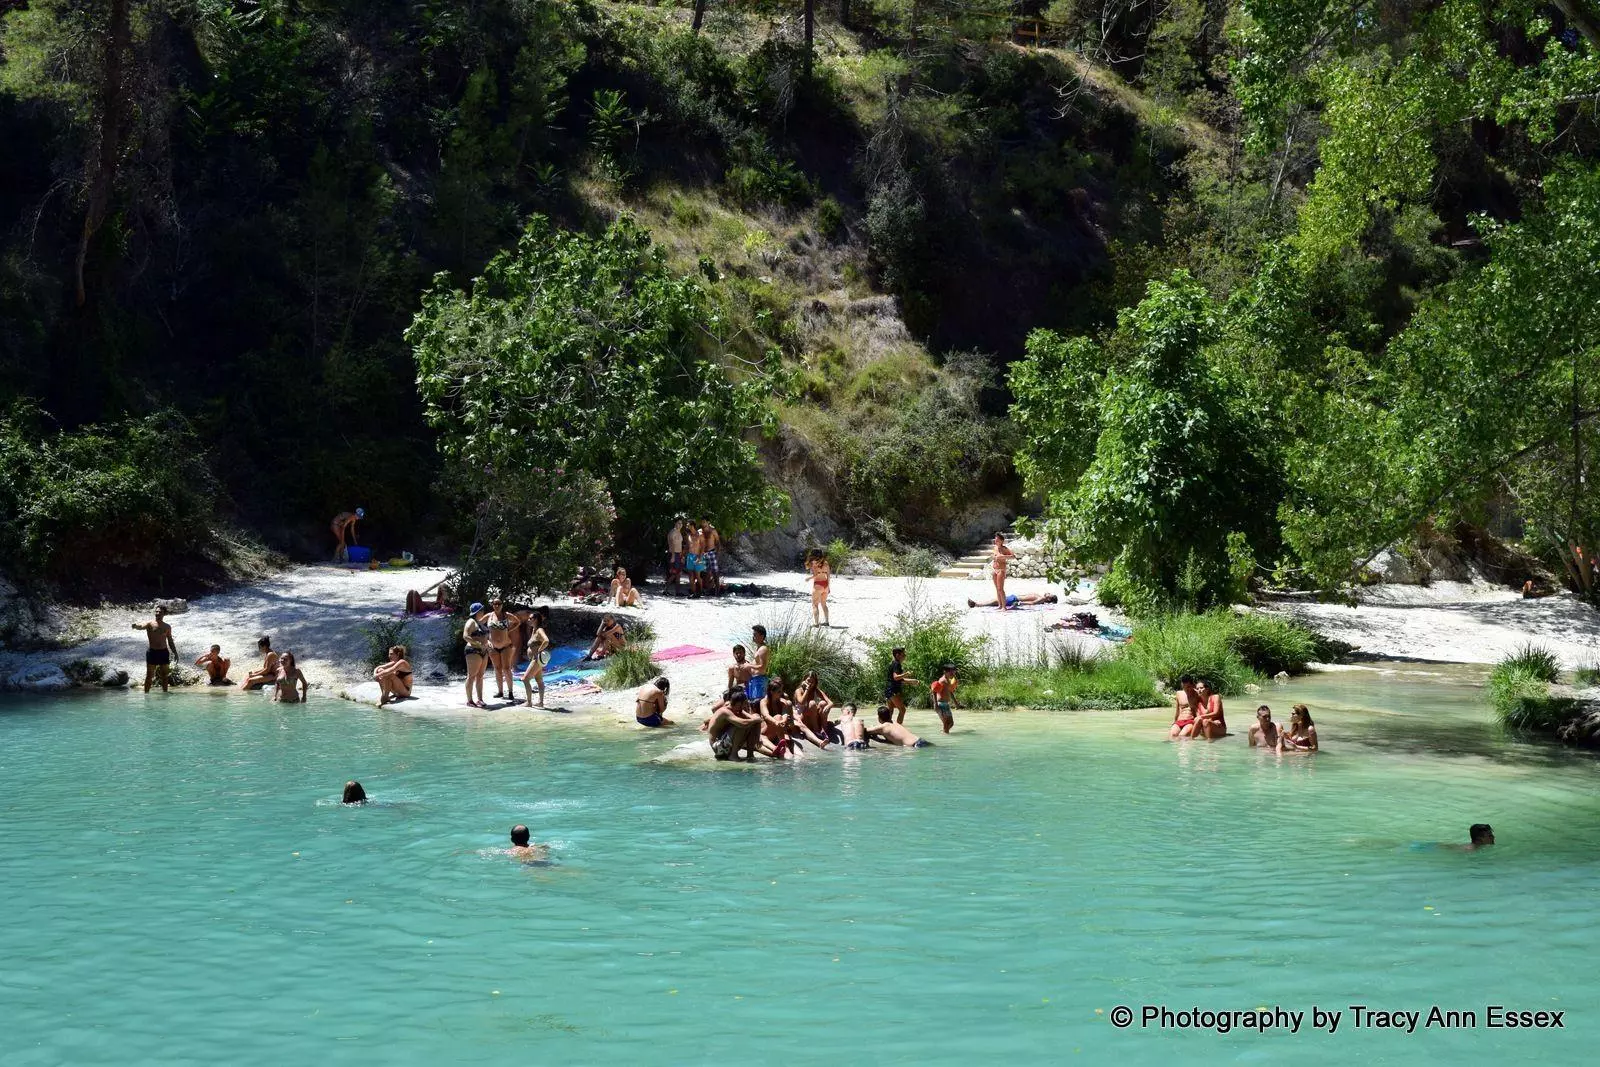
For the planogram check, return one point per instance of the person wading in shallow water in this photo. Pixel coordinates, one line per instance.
(158, 657)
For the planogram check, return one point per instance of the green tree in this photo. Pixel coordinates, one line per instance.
(1154, 465)
(588, 354)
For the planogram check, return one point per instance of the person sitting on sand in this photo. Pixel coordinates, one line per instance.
(344, 533)
(894, 686)
(650, 703)
(733, 727)
(609, 638)
(623, 593)
(1184, 703)
(1209, 722)
(1263, 732)
(523, 849)
(852, 729)
(892, 733)
(417, 605)
(821, 578)
(157, 657)
(353, 793)
(1301, 736)
(290, 686)
(215, 666)
(1015, 600)
(538, 655)
(394, 677)
(269, 666)
(943, 691)
(585, 584)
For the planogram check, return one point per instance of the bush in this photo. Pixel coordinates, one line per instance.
(931, 637)
(1586, 675)
(838, 554)
(1112, 683)
(1536, 661)
(1227, 649)
(1520, 695)
(382, 635)
(904, 563)
(629, 668)
(131, 498)
(798, 647)
(830, 218)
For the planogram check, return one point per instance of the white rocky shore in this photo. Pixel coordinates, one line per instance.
(319, 613)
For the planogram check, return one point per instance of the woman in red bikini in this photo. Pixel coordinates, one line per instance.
(1209, 722)
(821, 576)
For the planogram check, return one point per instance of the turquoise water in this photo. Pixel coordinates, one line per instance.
(183, 887)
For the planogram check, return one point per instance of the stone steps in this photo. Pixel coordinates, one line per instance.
(974, 564)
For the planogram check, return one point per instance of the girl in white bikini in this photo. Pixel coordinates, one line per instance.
(538, 656)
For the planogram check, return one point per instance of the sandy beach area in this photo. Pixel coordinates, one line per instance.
(319, 613)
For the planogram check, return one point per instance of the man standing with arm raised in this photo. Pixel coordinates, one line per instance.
(158, 657)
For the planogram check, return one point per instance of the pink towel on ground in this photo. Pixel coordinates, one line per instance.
(667, 655)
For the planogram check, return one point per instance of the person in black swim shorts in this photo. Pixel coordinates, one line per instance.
(158, 657)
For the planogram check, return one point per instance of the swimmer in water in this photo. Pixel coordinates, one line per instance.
(1482, 835)
(353, 793)
(1301, 736)
(1263, 732)
(522, 849)
(892, 733)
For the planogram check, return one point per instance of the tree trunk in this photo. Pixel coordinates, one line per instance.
(103, 177)
(1578, 16)
(844, 13)
(699, 15)
(811, 34)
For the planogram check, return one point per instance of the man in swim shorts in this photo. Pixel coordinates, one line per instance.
(674, 556)
(756, 688)
(650, 703)
(944, 695)
(894, 685)
(158, 657)
(1184, 703)
(1016, 599)
(852, 729)
(732, 727)
(892, 733)
(713, 563)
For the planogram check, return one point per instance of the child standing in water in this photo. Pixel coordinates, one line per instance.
(943, 689)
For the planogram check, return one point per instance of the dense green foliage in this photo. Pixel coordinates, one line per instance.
(1227, 649)
(630, 667)
(585, 354)
(1519, 690)
(83, 505)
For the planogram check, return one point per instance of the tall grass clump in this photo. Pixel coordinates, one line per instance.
(1227, 649)
(797, 647)
(1519, 690)
(932, 637)
(1587, 675)
(629, 667)
(1534, 660)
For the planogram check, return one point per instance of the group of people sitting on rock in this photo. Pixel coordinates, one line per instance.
(1198, 713)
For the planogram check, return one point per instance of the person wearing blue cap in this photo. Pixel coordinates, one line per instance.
(475, 636)
(344, 526)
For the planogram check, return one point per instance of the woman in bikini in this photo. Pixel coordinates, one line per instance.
(475, 636)
(623, 593)
(1001, 562)
(538, 655)
(821, 578)
(1209, 722)
(1301, 736)
(394, 677)
(502, 648)
(608, 639)
(290, 688)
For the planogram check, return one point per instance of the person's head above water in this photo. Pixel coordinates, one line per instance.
(884, 714)
(519, 836)
(1264, 712)
(1300, 715)
(287, 660)
(353, 793)
(1186, 681)
(1481, 833)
